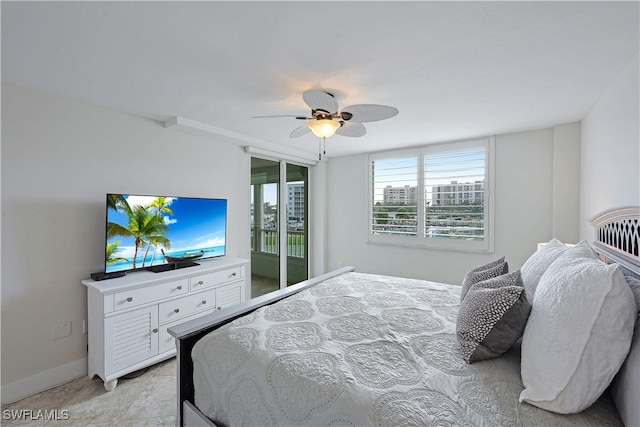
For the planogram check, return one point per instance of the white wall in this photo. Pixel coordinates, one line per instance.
(532, 170)
(318, 209)
(610, 154)
(59, 159)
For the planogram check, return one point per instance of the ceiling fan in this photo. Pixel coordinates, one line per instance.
(325, 119)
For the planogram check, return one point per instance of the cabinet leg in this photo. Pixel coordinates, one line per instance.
(110, 385)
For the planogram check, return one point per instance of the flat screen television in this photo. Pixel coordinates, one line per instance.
(160, 233)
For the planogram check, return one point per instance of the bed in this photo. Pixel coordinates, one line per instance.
(350, 348)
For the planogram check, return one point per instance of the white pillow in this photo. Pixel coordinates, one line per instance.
(534, 267)
(578, 334)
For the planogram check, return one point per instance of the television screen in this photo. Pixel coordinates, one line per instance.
(161, 232)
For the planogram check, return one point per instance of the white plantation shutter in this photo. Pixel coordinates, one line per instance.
(438, 196)
(395, 196)
(454, 188)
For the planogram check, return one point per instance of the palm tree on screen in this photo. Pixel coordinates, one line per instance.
(142, 225)
(112, 249)
(155, 241)
(160, 205)
(116, 202)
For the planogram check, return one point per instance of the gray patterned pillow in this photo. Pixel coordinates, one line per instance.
(492, 317)
(493, 269)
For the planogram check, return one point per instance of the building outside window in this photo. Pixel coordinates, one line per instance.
(295, 203)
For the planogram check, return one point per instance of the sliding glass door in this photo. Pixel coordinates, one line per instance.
(279, 225)
(297, 227)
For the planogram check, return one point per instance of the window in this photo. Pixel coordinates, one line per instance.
(395, 196)
(438, 196)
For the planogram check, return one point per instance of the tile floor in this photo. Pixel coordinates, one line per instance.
(261, 285)
(146, 400)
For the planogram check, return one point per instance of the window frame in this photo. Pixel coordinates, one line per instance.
(485, 245)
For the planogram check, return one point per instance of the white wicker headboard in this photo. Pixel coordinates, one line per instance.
(617, 237)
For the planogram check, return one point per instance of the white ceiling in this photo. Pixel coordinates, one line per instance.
(455, 70)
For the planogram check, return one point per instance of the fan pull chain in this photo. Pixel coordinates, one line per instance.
(322, 147)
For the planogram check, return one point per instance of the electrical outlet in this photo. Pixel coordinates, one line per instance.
(60, 331)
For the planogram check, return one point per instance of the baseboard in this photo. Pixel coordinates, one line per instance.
(42, 381)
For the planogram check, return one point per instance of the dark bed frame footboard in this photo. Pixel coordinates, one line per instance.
(188, 333)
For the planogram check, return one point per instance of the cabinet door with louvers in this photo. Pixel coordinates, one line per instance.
(229, 295)
(130, 338)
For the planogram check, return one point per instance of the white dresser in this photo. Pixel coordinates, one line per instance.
(129, 316)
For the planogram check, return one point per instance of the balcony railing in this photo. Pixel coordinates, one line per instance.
(266, 241)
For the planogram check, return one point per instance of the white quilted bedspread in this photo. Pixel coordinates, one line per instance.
(362, 350)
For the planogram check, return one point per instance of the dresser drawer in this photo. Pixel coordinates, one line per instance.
(166, 340)
(157, 292)
(183, 307)
(216, 278)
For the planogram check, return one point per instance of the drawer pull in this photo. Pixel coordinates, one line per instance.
(204, 301)
(200, 282)
(179, 287)
(219, 308)
(177, 310)
(233, 275)
(155, 330)
(129, 299)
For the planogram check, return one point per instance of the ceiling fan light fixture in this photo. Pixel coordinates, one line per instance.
(323, 128)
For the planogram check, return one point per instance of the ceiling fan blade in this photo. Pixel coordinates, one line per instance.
(362, 113)
(282, 115)
(319, 100)
(351, 129)
(299, 131)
